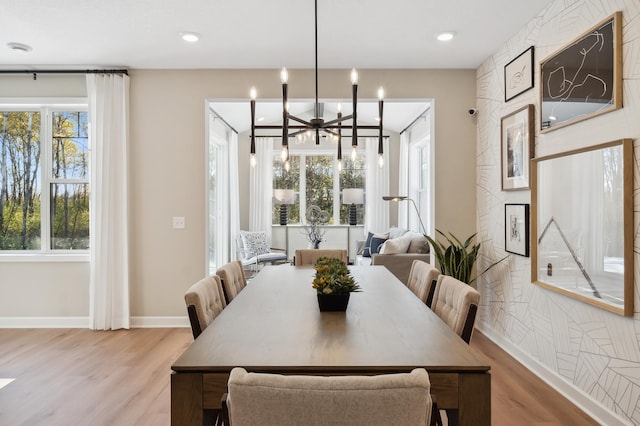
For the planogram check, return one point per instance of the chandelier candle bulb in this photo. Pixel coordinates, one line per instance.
(354, 77)
(284, 76)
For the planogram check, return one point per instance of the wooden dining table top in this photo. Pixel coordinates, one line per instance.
(274, 325)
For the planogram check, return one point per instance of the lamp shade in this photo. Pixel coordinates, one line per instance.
(283, 196)
(352, 196)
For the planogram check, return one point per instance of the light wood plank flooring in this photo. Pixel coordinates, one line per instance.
(83, 377)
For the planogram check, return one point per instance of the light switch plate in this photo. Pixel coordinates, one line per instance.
(179, 222)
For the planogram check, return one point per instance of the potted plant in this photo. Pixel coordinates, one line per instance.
(457, 258)
(333, 283)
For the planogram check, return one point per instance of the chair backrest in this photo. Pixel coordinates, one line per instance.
(274, 399)
(205, 300)
(306, 257)
(456, 303)
(422, 277)
(233, 279)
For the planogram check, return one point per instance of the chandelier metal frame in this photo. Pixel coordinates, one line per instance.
(317, 124)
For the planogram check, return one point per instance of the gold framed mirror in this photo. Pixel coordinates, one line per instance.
(582, 224)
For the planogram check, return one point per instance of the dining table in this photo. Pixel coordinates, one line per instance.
(274, 325)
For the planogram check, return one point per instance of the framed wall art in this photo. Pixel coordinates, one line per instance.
(518, 75)
(584, 78)
(582, 225)
(517, 145)
(516, 229)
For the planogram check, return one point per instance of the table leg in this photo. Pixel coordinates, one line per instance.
(474, 396)
(186, 399)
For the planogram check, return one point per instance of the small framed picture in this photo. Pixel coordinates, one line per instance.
(517, 148)
(518, 75)
(516, 229)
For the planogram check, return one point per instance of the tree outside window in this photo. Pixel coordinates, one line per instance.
(317, 185)
(44, 210)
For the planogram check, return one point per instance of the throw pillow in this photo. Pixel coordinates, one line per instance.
(376, 244)
(255, 243)
(397, 245)
(395, 232)
(367, 251)
(419, 244)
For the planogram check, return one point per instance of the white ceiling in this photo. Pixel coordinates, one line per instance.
(258, 33)
(262, 34)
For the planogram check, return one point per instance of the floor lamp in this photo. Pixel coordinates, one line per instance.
(284, 197)
(398, 198)
(353, 196)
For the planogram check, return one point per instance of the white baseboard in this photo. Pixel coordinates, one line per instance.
(160, 322)
(44, 322)
(83, 322)
(585, 402)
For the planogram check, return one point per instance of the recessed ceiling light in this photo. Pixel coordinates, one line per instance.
(446, 35)
(19, 47)
(190, 36)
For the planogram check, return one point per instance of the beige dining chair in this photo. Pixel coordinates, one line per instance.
(306, 257)
(422, 280)
(205, 300)
(233, 279)
(274, 399)
(456, 303)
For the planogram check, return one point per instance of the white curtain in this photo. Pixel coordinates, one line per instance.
(403, 180)
(109, 277)
(261, 187)
(376, 186)
(234, 195)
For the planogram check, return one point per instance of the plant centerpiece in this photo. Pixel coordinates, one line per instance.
(333, 283)
(457, 258)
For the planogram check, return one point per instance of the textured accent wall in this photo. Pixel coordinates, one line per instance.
(594, 351)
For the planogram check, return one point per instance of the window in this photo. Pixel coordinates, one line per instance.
(317, 184)
(44, 179)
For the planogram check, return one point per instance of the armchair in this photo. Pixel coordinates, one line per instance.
(254, 249)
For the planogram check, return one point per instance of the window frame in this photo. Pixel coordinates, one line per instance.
(46, 107)
(337, 190)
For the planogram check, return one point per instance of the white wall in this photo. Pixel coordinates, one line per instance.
(591, 353)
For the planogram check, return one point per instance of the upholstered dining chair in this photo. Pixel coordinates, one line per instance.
(422, 280)
(205, 300)
(456, 303)
(306, 257)
(233, 279)
(275, 399)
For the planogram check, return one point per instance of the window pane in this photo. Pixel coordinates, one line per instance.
(19, 180)
(283, 179)
(70, 145)
(352, 176)
(319, 174)
(70, 216)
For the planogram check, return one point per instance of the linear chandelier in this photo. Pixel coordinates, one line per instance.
(317, 124)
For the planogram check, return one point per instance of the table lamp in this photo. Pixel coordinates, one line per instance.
(283, 197)
(353, 196)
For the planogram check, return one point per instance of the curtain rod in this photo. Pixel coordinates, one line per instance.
(36, 72)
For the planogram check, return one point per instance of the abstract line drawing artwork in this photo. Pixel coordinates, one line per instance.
(584, 78)
(518, 75)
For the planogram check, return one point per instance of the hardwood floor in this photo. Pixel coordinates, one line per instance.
(518, 397)
(81, 377)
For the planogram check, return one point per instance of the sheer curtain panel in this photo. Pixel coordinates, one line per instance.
(376, 186)
(403, 180)
(109, 278)
(261, 188)
(234, 196)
